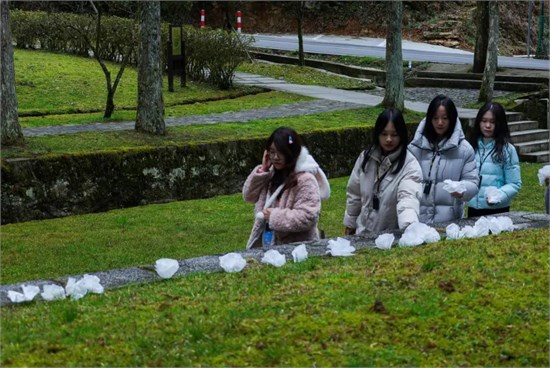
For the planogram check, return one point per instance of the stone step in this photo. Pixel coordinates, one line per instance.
(532, 146)
(511, 117)
(538, 156)
(529, 135)
(471, 84)
(479, 77)
(517, 126)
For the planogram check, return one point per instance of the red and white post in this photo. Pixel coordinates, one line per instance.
(238, 21)
(203, 22)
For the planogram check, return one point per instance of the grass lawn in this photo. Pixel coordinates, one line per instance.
(141, 235)
(481, 302)
(51, 83)
(475, 302)
(54, 89)
(304, 75)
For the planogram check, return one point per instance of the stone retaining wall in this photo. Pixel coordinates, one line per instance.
(60, 186)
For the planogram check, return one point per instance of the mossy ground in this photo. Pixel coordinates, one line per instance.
(453, 303)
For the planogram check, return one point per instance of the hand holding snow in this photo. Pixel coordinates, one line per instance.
(454, 186)
(418, 233)
(543, 173)
(492, 195)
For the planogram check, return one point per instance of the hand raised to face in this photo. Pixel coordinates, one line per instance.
(266, 162)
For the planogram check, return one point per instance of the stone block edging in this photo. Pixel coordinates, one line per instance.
(122, 277)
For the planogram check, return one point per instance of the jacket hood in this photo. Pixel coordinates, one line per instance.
(306, 163)
(453, 141)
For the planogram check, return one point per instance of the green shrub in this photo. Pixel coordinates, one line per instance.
(212, 54)
(72, 33)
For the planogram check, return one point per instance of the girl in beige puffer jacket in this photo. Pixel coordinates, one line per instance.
(384, 186)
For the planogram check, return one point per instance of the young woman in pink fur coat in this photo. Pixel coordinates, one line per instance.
(286, 189)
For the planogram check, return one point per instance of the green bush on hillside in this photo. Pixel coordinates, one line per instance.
(67, 33)
(212, 55)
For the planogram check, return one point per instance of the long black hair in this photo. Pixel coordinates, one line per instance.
(452, 115)
(501, 132)
(386, 116)
(288, 143)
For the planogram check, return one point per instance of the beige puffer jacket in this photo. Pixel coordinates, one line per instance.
(398, 194)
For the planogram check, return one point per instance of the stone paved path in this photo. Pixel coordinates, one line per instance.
(281, 111)
(329, 99)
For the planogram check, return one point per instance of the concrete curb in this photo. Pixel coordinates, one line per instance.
(422, 78)
(122, 277)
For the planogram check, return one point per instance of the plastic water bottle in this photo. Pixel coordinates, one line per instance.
(267, 238)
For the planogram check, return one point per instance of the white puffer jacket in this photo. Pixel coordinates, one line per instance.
(397, 196)
(454, 159)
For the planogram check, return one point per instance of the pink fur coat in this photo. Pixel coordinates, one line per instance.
(295, 215)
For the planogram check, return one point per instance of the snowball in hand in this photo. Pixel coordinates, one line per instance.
(492, 195)
(454, 186)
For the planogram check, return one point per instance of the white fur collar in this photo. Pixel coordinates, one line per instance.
(306, 163)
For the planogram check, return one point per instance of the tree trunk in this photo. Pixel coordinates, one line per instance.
(395, 85)
(11, 130)
(150, 107)
(299, 17)
(488, 82)
(109, 105)
(482, 36)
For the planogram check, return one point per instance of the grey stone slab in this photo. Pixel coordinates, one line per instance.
(122, 277)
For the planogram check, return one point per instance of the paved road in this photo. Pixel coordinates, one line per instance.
(376, 47)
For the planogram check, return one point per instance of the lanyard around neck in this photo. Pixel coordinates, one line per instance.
(482, 158)
(380, 178)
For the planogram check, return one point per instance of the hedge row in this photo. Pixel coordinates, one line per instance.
(212, 55)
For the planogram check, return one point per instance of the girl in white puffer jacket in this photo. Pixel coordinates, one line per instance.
(384, 186)
(441, 149)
